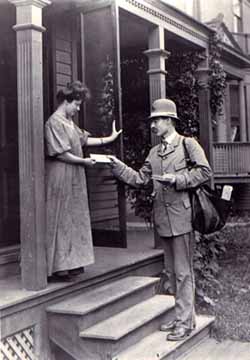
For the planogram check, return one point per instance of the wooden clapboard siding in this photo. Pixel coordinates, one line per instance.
(100, 215)
(96, 189)
(107, 195)
(62, 43)
(103, 195)
(103, 204)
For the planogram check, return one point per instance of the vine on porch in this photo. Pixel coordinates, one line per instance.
(217, 76)
(136, 129)
(183, 87)
(105, 102)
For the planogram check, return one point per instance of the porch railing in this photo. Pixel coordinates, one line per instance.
(231, 158)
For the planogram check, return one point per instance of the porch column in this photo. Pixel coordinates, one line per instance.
(206, 135)
(228, 112)
(30, 135)
(221, 128)
(247, 84)
(156, 58)
(243, 128)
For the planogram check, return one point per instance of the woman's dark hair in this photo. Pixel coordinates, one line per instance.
(73, 91)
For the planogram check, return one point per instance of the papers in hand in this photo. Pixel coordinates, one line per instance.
(99, 158)
(157, 177)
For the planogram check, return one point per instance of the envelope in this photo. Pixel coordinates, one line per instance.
(100, 158)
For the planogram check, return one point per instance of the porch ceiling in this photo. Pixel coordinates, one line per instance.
(134, 32)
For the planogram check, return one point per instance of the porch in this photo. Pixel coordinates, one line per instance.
(231, 162)
(23, 317)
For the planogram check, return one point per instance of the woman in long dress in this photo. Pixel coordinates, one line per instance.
(68, 240)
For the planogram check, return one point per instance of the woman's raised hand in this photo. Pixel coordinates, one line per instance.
(114, 135)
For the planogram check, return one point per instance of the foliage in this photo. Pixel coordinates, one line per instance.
(136, 148)
(182, 87)
(105, 104)
(232, 298)
(208, 250)
(217, 76)
(136, 129)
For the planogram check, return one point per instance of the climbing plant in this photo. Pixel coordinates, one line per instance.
(136, 129)
(105, 102)
(182, 86)
(217, 76)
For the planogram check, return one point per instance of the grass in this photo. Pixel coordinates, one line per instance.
(231, 301)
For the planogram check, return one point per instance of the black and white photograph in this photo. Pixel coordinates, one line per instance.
(124, 180)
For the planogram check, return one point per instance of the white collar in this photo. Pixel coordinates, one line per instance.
(169, 139)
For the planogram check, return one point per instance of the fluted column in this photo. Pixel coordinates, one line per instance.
(157, 56)
(221, 127)
(156, 59)
(205, 120)
(30, 135)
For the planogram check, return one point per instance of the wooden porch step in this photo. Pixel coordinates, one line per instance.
(94, 299)
(155, 346)
(126, 328)
(130, 319)
(68, 318)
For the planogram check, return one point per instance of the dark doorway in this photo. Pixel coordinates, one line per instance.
(9, 174)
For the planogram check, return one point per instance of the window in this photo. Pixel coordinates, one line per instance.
(237, 12)
(234, 112)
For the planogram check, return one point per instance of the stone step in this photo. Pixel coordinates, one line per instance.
(97, 304)
(155, 346)
(122, 330)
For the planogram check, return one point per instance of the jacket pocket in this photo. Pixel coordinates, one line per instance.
(180, 165)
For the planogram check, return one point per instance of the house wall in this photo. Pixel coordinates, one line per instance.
(64, 59)
(204, 10)
(183, 5)
(210, 9)
(246, 15)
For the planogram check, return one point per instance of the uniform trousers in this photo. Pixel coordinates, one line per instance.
(178, 258)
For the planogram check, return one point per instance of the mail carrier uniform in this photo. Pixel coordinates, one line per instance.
(172, 213)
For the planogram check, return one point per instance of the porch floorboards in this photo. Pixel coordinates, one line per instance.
(107, 260)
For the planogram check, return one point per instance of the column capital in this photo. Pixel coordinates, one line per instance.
(157, 52)
(29, 14)
(203, 75)
(38, 3)
(157, 71)
(29, 26)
